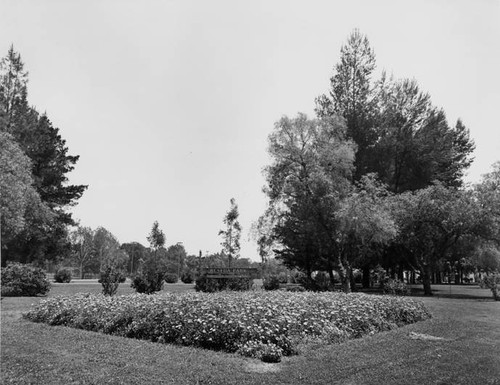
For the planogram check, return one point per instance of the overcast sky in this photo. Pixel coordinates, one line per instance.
(169, 103)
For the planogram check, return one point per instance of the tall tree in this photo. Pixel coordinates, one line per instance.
(45, 237)
(137, 254)
(309, 176)
(156, 237)
(232, 233)
(351, 96)
(83, 250)
(398, 133)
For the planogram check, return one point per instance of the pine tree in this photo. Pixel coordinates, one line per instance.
(44, 236)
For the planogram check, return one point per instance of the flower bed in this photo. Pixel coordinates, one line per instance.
(253, 323)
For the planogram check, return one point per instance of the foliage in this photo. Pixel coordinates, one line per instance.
(187, 277)
(399, 134)
(110, 278)
(395, 287)
(83, 248)
(17, 195)
(23, 280)
(232, 321)
(271, 282)
(232, 233)
(156, 237)
(62, 275)
(137, 253)
(492, 282)
(308, 178)
(171, 278)
(44, 234)
(431, 222)
(148, 282)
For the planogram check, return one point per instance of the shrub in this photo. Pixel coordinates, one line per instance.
(62, 276)
(271, 282)
(148, 282)
(171, 278)
(23, 280)
(187, 277)
(396, 287)
(492, 282)
(211, 285)
(110, 279)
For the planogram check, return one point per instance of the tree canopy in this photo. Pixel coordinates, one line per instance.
(44, 235)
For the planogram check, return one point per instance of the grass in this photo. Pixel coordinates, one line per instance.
(467, 318)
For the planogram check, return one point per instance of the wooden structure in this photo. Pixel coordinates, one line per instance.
(230, 272)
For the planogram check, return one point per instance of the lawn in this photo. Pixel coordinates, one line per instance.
(465, 318)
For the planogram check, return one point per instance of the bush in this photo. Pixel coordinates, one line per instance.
(62, 276)
(171, 278)
(492, 282)
(187, 277)
(211, 285)
(271, 282)
(110, 279)
(24, 280)
(396, 287)
(148, 282)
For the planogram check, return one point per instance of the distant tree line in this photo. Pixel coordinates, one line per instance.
(376, 179)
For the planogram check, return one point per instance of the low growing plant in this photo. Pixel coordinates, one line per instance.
(62, 275)
(171, 278)
(148, 282)
(271, 282)
(396, 287)
(24, 280)
(110, 279)
(492, 282)
(256, 324)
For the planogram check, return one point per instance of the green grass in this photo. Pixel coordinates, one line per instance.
(467, 318)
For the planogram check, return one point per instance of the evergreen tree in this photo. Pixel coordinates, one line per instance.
(232, 233)
(45, 236)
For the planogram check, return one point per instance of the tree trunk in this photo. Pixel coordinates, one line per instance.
(81, 270)
(426, 278)
(345, 276)
(332, 277)
(366, 276)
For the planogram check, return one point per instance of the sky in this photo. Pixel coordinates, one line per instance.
(169, 103)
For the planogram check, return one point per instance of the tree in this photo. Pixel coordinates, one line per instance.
(176, 258)
(232, 232)
(46, 235)
(83, 250)
(13, 90)
(415, 144)
(17, 194)
(137, 254)
(308, 178)
(398, 133)
(351, 96)
(364, 225)
(106, 246)
(152, 272)
(431, 221)
(156, 237)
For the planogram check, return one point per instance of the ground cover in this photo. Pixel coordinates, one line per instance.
(266, 325)
(466, 317)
